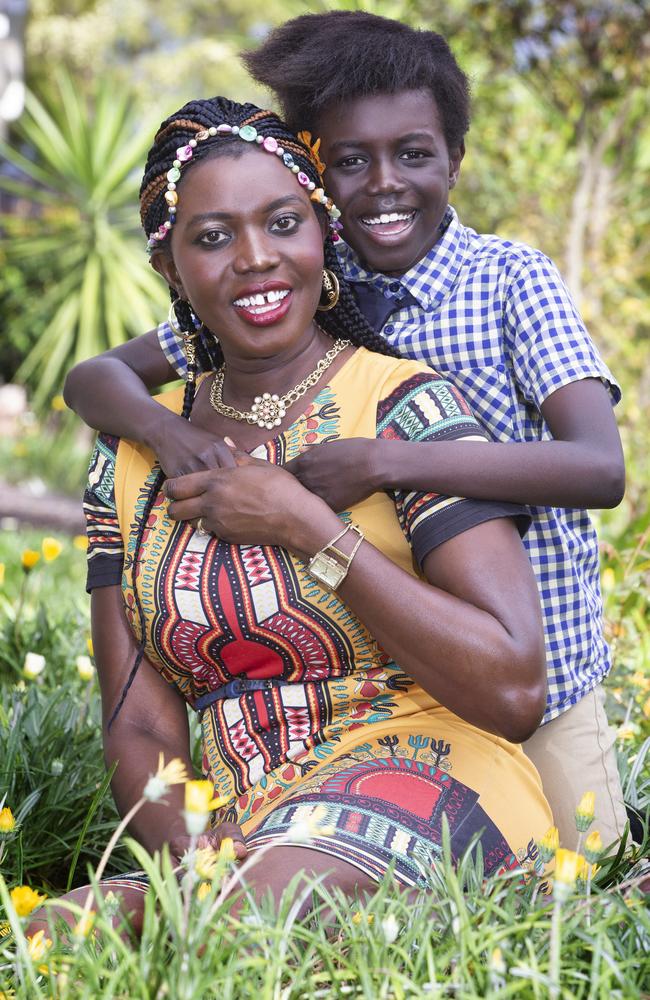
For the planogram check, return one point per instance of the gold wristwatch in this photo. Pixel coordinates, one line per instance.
(330, 566)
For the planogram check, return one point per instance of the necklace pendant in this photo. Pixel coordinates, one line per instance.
(268, 410)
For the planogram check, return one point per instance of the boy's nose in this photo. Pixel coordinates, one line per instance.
(384, 178)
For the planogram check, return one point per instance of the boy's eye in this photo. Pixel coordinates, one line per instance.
(414, 154)
(285, 224)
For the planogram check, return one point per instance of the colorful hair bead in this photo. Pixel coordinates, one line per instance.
(248, 133)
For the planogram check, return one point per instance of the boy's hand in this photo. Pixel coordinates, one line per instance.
(342, 473)
(181, 448)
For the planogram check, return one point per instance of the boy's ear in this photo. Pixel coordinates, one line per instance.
(163, 263)
(455, 159)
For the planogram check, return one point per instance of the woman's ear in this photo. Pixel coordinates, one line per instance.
(163, 262)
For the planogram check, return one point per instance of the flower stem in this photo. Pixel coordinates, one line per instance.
(554, 956)
(108, 850)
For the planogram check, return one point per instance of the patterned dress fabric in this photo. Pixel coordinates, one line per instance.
(347, 736)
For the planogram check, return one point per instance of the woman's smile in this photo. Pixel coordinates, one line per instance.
(265, 303)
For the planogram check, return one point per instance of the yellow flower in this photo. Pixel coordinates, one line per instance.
(365, 917)
(90, 647)
(199, 797)
(7, 821)
(608, 579)
(85, 668)
(640, 680)
(25, 900)
(584, 814)
(33, 666)
(497, 963)
(568, 865)
(593, 846)
(173, 773)
(38, 946)
(206, 860)
(549, 844)
(84, 925)
(58, 404)
(80, 542)
(199, 803)
(2, 574)
(646, 708)
(227, 849)
(203, 891)
(52, 549)
(29, 559)
(626, 732)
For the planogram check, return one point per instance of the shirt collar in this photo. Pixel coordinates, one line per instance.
(429, 280)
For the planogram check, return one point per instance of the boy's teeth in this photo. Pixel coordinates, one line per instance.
(386, 217)
(262, 300)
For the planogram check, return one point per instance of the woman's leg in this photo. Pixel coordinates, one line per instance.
(131, 896)
(281, 864)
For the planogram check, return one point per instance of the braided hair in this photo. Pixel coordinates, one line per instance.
(344, 321)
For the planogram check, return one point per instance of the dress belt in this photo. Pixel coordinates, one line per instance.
(233, 689)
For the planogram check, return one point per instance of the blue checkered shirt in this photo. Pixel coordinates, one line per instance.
(496, 319)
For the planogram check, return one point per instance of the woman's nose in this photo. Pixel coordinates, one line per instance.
(255, 252)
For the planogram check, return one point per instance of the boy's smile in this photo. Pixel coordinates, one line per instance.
(390, 172)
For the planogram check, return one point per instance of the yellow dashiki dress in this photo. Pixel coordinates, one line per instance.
(338, 724)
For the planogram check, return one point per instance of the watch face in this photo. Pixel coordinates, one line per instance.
(326, 570)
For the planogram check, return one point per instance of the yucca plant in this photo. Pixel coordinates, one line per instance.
(75, 232)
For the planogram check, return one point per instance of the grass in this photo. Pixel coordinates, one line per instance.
(463, 939)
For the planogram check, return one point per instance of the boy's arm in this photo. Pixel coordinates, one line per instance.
(110, 393)
(557, 369)
(581, 467)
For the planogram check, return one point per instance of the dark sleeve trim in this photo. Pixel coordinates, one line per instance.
(461, 516)
(104, 571)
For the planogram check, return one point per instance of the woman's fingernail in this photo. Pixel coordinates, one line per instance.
(230, 442)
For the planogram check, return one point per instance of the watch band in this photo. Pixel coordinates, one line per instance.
(329, 566)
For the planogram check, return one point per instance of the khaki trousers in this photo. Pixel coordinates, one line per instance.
(574, 753)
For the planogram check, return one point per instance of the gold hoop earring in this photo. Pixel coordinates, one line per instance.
(172, 319)
(330, 292)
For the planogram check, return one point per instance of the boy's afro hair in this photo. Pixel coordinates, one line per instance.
(318, 61)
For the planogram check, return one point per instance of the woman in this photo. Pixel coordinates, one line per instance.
(330, 674)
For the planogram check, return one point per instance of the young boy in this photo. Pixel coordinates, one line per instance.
(391, 108)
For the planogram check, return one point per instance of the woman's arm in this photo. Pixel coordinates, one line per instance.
(153, 720)
(471, 636)
(110, 393)
(581, 467)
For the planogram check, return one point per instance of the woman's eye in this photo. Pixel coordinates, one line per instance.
(350, 161)
(213, 238)
(285, 224)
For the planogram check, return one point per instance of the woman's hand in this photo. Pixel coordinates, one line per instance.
(182, 447)
(251, 503)
(213, 838)
(342, 473)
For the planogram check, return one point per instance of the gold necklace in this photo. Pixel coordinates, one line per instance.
(269, 409)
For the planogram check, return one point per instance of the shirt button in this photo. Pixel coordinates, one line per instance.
(394, 286)
(389, 328)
